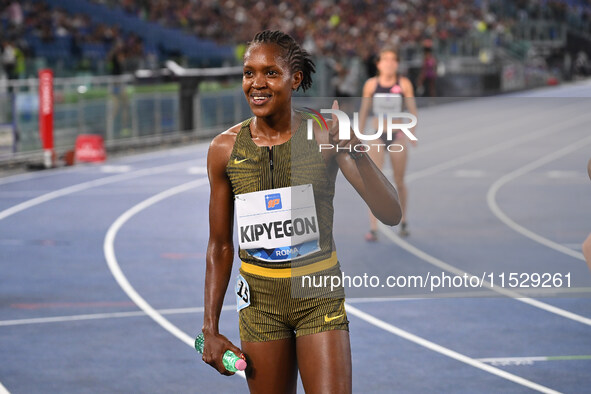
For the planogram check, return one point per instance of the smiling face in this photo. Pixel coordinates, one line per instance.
(267, 80)
(388, 63)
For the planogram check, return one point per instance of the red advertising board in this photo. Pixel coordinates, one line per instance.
(90, 148)
(46, 114)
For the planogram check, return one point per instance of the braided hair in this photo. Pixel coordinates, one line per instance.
(296, 57)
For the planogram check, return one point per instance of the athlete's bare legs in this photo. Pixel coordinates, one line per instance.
(272, 366)
(377, 155)
(399, 160)
(325, 362)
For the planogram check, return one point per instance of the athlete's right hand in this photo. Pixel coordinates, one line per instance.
(214, 347)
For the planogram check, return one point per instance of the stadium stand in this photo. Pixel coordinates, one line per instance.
(94, 35)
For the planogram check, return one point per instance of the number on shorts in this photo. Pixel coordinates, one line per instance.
(242, 293)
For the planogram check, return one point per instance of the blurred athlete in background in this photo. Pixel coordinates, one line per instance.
(388, 92)
(426, 83)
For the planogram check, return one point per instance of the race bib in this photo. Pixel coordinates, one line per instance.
(384, 103)
(278, 224)
(242, 291)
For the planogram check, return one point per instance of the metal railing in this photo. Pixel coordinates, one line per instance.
(115, 107)
(122, 109)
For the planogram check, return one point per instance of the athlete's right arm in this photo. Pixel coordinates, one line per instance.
(220, 252)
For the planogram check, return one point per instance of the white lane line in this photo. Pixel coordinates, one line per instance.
(3, 389)
(506, 361)
(80, 168)
(575, 246)
(469, 174)
(466, 158)
(181, 150)
(506, 144)
(446, 128)
(117, 180)
(90, 184)
(489, 126)
(110, 315)
(22, 193)
(199, 309)
(197, 170)
(38, 174)
(174, 311)
(445, 351)
(560, 174)
(457, 271)
(110, 256)
(496, 210)
(111, 168)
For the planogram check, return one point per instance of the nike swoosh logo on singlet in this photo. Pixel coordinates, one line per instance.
(236, 161)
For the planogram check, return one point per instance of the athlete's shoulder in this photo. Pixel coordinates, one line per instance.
(403, 80)
(370, 86)
(371, 82)
(406, 86)
(226, 139)
(220, 148)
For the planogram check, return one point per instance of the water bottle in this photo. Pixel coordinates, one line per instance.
(231, 361)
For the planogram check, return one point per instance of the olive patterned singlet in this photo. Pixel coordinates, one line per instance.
(298, 161)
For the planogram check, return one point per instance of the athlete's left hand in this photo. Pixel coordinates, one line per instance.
(344, 145)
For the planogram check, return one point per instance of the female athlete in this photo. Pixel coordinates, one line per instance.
(262, 168)
(388, 92)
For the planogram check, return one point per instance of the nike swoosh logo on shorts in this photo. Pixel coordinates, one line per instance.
(329, 319)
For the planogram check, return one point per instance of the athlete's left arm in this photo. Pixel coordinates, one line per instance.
(376, 190)
(361, 172)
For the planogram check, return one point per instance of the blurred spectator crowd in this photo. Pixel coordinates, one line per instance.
(34, 29)
(355, 27)
(337, 29)
(577, 13)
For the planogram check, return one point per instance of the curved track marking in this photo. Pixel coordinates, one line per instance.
(84, 186)
(445, 351)
(496, 210)
(492, 127)
(109, 315)
(450, 268)
(493, 149)
(483, 153)
(457, 271)
(109, 250)
(90, 184)
(506, 144)
(27, 176)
